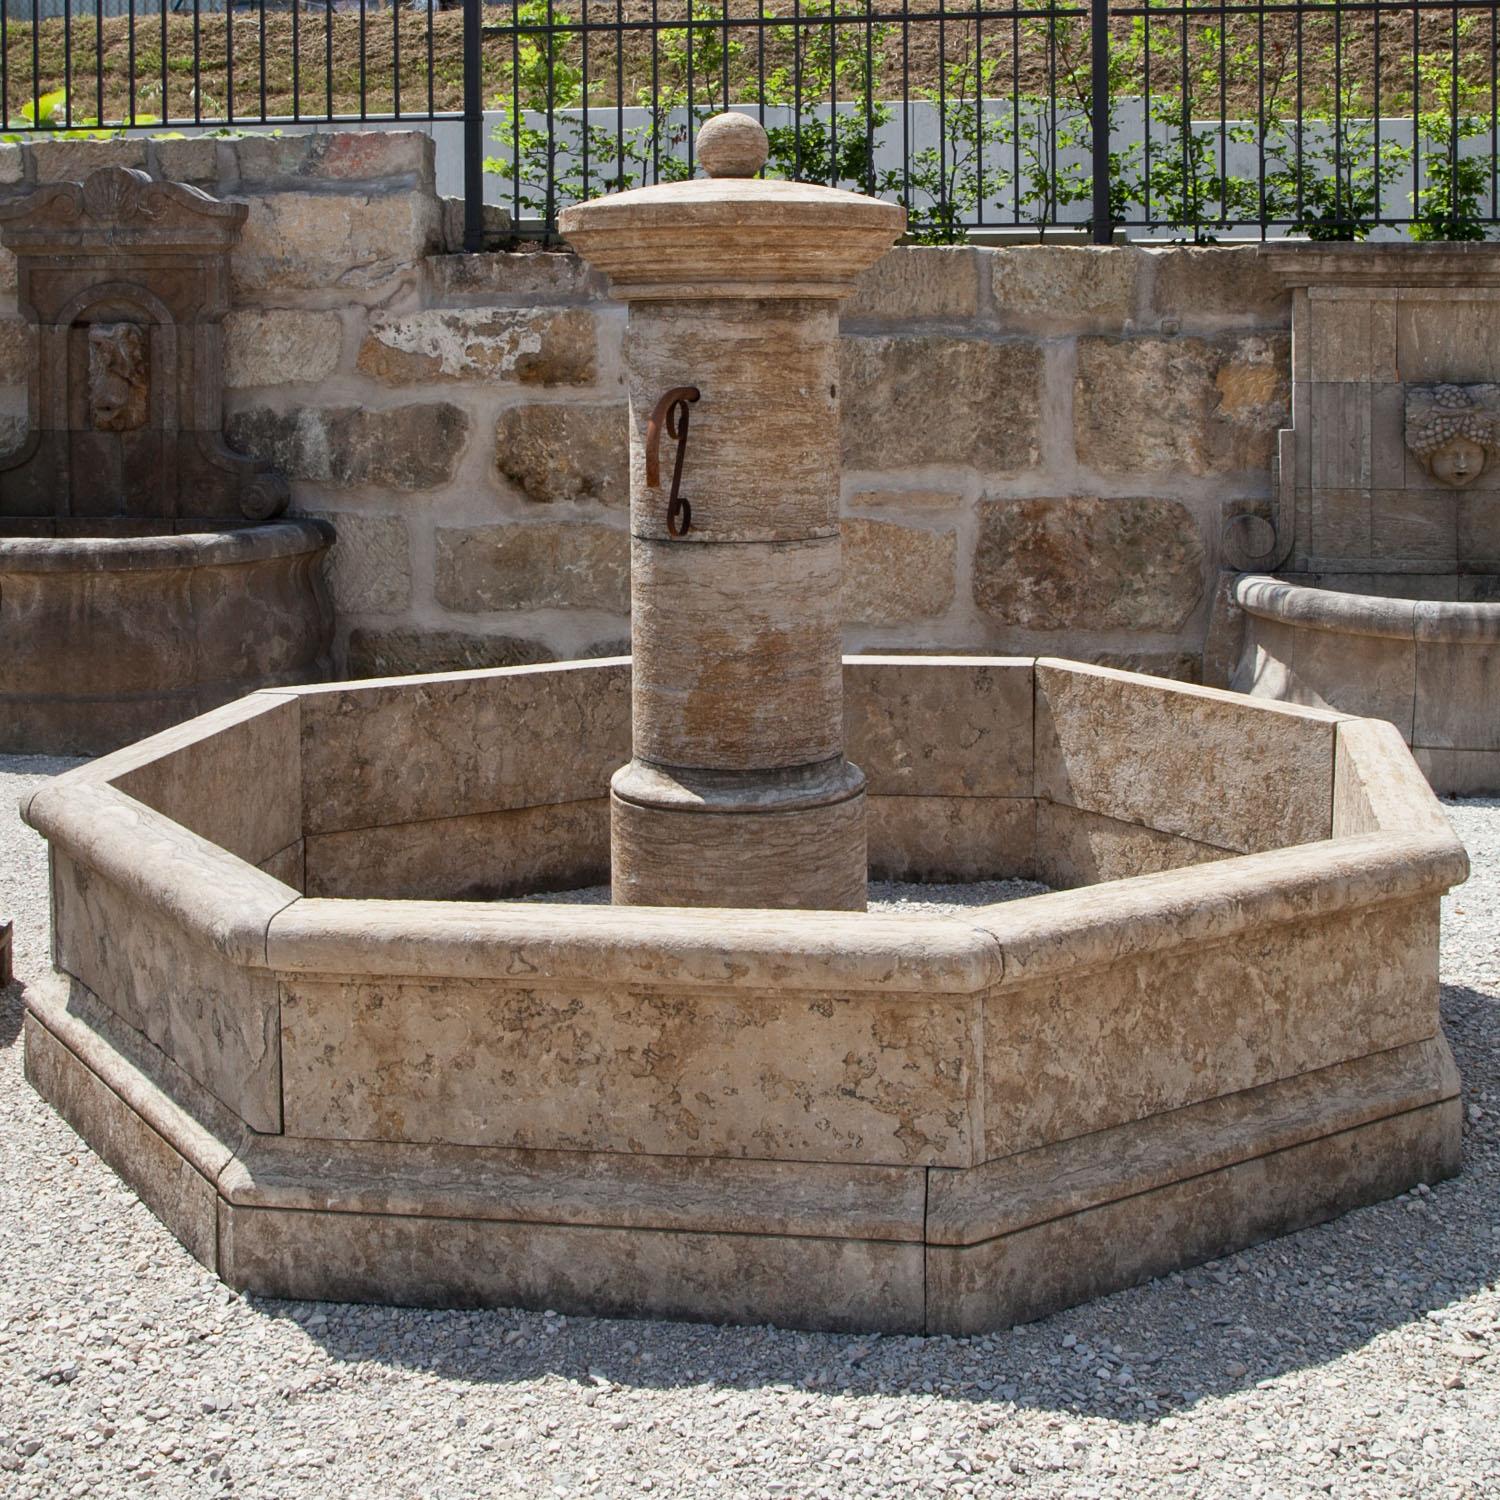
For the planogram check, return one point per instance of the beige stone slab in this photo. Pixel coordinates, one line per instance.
(1460, 773)
(1478, 531)
(1058, 288)
(941, 839)
(1414, 526)
(1081, 1052)
(601, 1190)
(234, 776)
(1340, 435)
(1125, 746)
(1369, 675)
(1378, 787)
(1448, 340)
(1353, 337)
(460, 743)
(1194, 282)
(808, 1075)
(480, 857)
(1069, 1259)
(532, 565)
(792, 1282)
(934, 726)
(1076, 848)
(918, 281)
(1339, 522)
(1458, 690)
(527, 346)
(895, 573)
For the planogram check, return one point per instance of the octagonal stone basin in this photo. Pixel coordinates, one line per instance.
(1428, 664)
(294, 1009)
(112, 630)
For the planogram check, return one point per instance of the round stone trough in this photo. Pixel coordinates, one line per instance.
(298, 1008)
(113, 630)
(1429, 665)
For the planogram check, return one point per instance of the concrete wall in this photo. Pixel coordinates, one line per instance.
(1040, 443)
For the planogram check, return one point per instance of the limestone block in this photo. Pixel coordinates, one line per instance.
(288, 866)
(195, 161)
(533, 565)
(17, 351)
(928, 399)
(794, 1282)
(1461, 773)
(918, 281)
(1371, 675)
(344, 155)
(1173, 405)
(72, 161)
(917, 502)
(1065, 286)
(1377, 787)
(1457, 679)
(1443, 336)
(894, 573)
(278, 345)
(578, 451)
(1413, 527)
(513, 278)
(881, 1078)
(1075, 848)
(406, 447)
(1220, 281)
(400, 653)
(487, 740)
(1262, 773)
(370, 564)
(1177, 666)
(540, 346)
(942, 839)
(349, 241)
(12, 163)
(490, 856)
(1088, 564)
(940, 726)
(1479, 540)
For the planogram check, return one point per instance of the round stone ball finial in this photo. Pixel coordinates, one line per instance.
(732, 145)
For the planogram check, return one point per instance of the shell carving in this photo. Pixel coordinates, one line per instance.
(113, 194)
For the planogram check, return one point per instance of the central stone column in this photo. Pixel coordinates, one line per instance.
(738, 793)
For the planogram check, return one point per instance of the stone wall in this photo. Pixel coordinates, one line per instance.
(1039, 443)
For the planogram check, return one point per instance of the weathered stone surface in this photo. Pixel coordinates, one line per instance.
(551, 565)
(345, 155)
(406, 447)
(1181, 405)
(17, 351)
(195, 160)
(1064, 286)
(72, 161)
(1076, 848)
(12, 163)
(942, 839)
(1221, 281)
(1126, 748)
(401, 653)
(1088, 564)
(927, 399)
(1179, 666)
(370, 565)
(278, 345)
(522, 278)
(913, 500)
(894, 573)
(918, 281)
(332, 240)
(542, 346)
(574, 452)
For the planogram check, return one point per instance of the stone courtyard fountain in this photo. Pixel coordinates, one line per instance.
(144, 576)
(296, 1006)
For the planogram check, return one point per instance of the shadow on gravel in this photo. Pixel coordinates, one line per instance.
(1288, 1304)
(11, 1012)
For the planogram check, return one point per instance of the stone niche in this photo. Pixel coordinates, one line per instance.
(138, 585)
(1374, 583)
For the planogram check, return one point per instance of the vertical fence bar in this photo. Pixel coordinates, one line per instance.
(473, 131)
(1099, 124)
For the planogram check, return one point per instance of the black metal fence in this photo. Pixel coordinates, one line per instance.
(1335, 119)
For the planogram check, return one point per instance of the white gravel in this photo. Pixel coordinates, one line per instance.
(887, 898)
(1359, 1358)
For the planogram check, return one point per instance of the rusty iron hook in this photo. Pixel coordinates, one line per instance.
(671, 412)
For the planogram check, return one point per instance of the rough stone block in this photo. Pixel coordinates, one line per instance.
(194, 161)
(552, 565)
(918, 502)
(344, 241)
(1088, 564)
(369, 568)
(72, 161)
(928, 399)
(1178, 666)
(279, 345)
(1222, 281)
(1116, 745)
(341, 156)
(573, 452)
(406, 447)
(894, 573)
(918, 281)
(510, 277)
(542, 346)
(12, 163)
(954, 727)
(1057, 287)
(17, 351)
(1181, 405)
(491, 856)
(401, 653)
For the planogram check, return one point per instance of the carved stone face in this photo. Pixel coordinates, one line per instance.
(119, 377)
(1457, 462)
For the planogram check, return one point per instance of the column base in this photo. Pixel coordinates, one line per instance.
(790, 838)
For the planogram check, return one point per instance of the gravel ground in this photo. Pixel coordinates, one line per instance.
(887, 898)
(1359, 1358)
